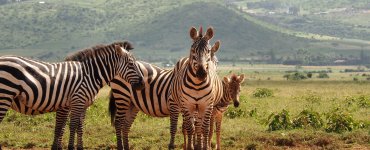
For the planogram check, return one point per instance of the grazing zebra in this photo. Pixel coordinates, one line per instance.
(66, 86)
(231, 87)
(196, 88)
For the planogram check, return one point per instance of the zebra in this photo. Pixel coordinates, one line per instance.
(152, 100)
(231, 87)
(196, 88)
(34, 87)
(125, 103)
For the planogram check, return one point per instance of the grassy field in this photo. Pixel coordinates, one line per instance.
(246, 127)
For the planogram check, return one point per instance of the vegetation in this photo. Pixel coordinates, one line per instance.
(159, 31)
(329, 113)
(263, 92)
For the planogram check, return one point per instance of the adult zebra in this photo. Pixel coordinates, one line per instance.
(196, 88)
(125, 103)
(66, 86)
(152, 100)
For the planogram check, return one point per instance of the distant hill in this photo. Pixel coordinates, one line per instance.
(170, 31)
(159, 29)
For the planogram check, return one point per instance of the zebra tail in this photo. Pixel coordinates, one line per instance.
(112, 108)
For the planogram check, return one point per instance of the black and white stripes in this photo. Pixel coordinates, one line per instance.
(33, 87)
(196, 88)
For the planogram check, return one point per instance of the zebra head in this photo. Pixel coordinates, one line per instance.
(128, 69)
(201, 52)
(233, 85)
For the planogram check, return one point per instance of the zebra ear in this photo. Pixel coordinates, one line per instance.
(226, 79)
(241, 78)
(215, 47)
(193, 33)
(118, 49)
(209, 33)
(127, 46)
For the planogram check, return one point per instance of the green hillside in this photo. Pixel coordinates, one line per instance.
(158, 29)
(238, 35)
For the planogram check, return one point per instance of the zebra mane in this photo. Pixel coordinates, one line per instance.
(92, 52)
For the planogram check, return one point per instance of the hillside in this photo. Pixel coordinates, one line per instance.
(238, 35)
(158, 29)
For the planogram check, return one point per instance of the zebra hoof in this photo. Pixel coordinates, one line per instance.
(171, 146)
(80, 148)
(71, 147)
(56, 147)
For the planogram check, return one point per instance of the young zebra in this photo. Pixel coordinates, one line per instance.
(196, 88)
(66, 86)
(231, 87)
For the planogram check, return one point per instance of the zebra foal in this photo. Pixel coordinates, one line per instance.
(231, 87)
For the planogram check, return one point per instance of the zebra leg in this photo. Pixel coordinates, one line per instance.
(5, 103)
(189, 124)
(205, 126)
(80, 130)
(211, 129)
(218, 131)
(184, 133)
(174, 116)
(128, 120)
(198, 137)
(118, 127)
(60, 123)
(74, 122)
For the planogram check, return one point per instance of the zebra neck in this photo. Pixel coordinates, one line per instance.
(98, 73)
(226, 97)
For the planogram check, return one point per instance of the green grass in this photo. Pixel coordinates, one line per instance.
(246, 130)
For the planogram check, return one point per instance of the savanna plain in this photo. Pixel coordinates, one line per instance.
(282, 107)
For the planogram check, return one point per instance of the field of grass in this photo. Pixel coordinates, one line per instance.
(245, 127)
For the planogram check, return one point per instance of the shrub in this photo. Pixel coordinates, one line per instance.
(323, 75)
(363, 101)
(296, 76)
(263, 92)
(235, 113)
(308, 118)
(338, 121)
(280, 121)
(309, 75)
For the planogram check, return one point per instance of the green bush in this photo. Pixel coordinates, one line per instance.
(280, 121)
(309, 75)
(362, 101)
(339, 121)
(323, 75)
(308, 118)
(263, 92)
(296, 76)
(235, 113)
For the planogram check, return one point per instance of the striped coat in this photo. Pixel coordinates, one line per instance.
(152, 100)
(66, 86)
(196, 88)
